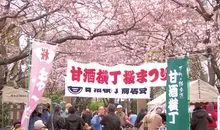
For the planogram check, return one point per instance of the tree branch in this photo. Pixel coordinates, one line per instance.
(201, 10)
(16, 15)
(73, 37)
(40, 16)
(13, 59)
(80, 25)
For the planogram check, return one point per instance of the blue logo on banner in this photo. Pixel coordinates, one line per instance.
(75, 90)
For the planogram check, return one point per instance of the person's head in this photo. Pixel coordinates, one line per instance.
(210, 107)
(144, 110)
(198, 106)
(159, 110)
(111, 108)
(57, 108)
(119, 108)
(39, 125)
(34, 113)
(46, 107)
(39, 110)
(68, 105)
(72, 110)
(87, 110)
(101, 110)
(77, 108)
(94, 113)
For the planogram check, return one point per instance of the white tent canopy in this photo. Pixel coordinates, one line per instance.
(200, 91)
(20, 95)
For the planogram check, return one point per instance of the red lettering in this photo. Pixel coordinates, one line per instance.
(44, 54)
(115, 74)
(129, 77)
(89, 75)
(142, 76)
(76, 74)
(102, 77)
(155, 73)
(163, 74)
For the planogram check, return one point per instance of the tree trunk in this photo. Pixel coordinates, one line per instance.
(3, 68)
(105, 101)
(112, 100)
(215, 66)
(211, 74)
(141, 104)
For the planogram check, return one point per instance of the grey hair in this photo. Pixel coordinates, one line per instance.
(57, 108)
(111, 108)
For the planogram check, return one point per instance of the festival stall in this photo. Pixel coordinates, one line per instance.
(17, 98)
(18, 95)
(200, 91)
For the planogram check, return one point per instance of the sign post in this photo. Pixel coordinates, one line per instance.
(177, 99)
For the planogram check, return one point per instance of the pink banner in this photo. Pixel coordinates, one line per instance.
(41, 64)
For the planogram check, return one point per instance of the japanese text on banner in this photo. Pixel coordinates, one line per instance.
(177, 102)
(154, 74)
(42, 61)
(121, 81)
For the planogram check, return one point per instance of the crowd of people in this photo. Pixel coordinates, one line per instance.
(113, 117)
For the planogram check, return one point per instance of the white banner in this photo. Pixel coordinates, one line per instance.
(121, 81)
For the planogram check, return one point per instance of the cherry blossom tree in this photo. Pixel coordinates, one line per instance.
(61, 21)
(171, 28)
(117, 31)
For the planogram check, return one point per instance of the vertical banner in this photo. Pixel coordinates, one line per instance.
(41, 64)
(177, 99)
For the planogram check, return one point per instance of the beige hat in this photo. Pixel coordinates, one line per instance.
(39, 124)
(68, 105)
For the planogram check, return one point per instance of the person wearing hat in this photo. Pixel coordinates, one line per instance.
(121, 115)
(39, 125)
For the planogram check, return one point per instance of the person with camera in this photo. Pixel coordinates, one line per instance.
(97, 118)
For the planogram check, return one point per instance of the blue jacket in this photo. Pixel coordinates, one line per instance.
(96, 123)
(133, 118)
(32, 121)
(45, 117)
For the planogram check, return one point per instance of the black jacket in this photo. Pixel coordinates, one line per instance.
(111, 122)
(74, 122)
(87, 117)
(58, 122)
(199, 119)
(139, 118)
